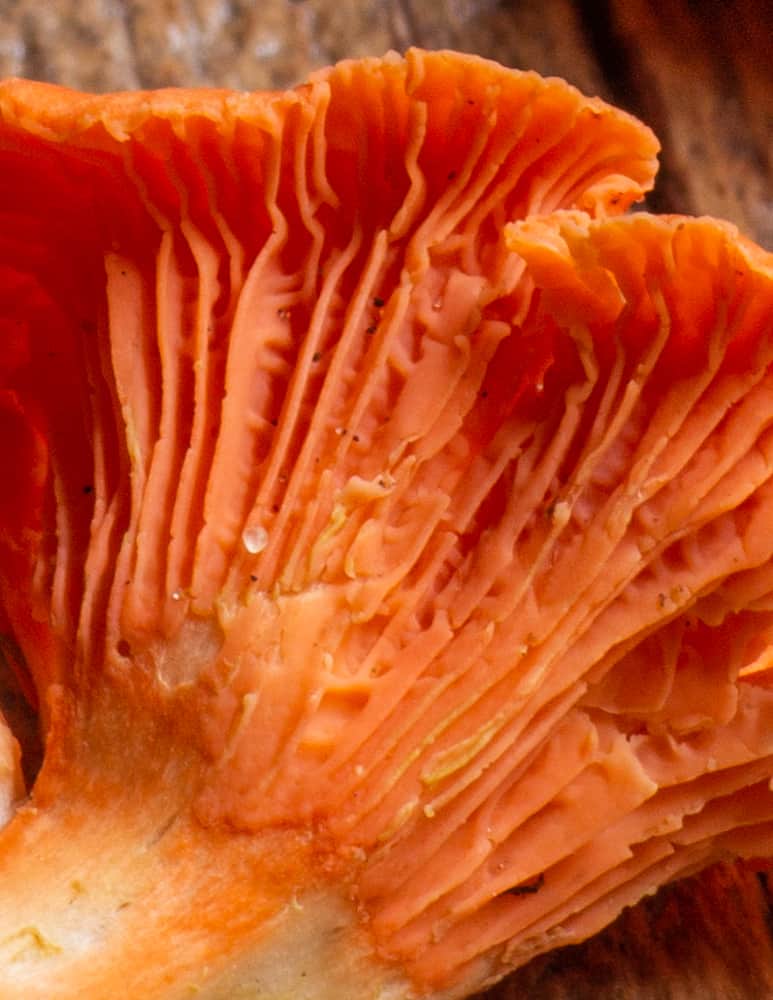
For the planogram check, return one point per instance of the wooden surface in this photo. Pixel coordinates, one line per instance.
(705, 938)
(701, 74)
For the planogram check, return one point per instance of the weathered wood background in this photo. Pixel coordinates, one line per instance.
(700, 72)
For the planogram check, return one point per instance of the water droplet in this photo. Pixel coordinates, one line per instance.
(255, 539)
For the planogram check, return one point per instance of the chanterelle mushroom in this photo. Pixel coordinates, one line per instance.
(387, 533)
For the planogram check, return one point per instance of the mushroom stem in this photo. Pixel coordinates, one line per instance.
(105, 892)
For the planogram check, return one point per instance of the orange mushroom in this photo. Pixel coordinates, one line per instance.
(385, 533)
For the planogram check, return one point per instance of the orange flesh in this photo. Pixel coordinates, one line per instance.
(377, 513)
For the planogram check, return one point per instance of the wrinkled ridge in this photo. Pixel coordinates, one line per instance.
(355, 426)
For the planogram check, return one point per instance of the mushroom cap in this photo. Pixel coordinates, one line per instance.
(377, 492)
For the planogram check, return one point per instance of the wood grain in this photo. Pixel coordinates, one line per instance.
(705, 938)
(700, 73)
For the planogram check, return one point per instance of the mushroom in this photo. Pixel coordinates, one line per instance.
(385, 533)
